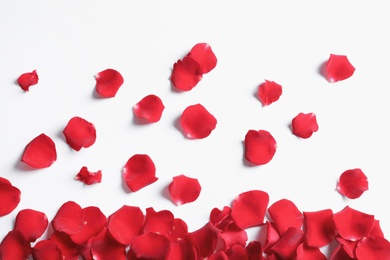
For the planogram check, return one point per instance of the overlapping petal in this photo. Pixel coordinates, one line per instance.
(285, 214)
(89, 177)
(26, 80)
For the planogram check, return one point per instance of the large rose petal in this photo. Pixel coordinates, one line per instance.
(104, 247)
(186, 74)
(26, 80)
(373, 248)
(269, 92)
(108, 82)
(158, 222)
(204, 55)
(40, 152)
(9, 197)
(89, 177)
(184, 189)
(15, 246)
(205, 239)
(197, 122)
(149, 108)
(305, 252)
(319, 227)
(352, 183)
(79, 133)
(260, 147)
(288, 243)
(338, 67)
(46, 250)
(139, 171)
(304, 125)
(285, 214)
(68, 219)
(32, 223)
(149, 246)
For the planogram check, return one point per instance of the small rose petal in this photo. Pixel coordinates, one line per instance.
(158, 222)
(373, 248)
(79, 133)
(32, 223)
(149, 108)
(197, 122)
(186, 74)
(269, 92)
(260, 147)
(288, 243)
(9, 197)
(285, 214)
(338, 67)
(46, 250)
(305, 252)
(184, 189)
(205, 240)
(26, 80)
(40, 152)
(249, 208)
(221, 218)
(319, 227)
(142, 248)
(352, 183)
(68, 219)
(104, 247)
(15, 246)
(89, 177)
(108, 82)
(139, 171)
(204, 55)
(304, 125)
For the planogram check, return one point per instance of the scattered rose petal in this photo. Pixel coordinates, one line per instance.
(68, 249)
(285, 214)
(197, 122)
(219, 255)
(305, 252)
(272, 236)
(254, 251)
(139, 172)
(141, 247)
(149, 108)
(46, 250)
(186, 74)
(373, 248)
(205, 239)
(319, 227)
(26, 80)
(338, 67)
(260, 147)
(269, 92)
(179, 230)
(348, 246)
(352, 183)
(108, 82)
(15, 246)
(32, 223)
(89, 177)
(104, 247)
(79, 133)
(288, 243)
(9, 197)
(182, 249)
(184, 189)
(233, 235)
(68, 219)
(237, 252)
(158, 222)
(40, 152)
(204, 55)
(304, 125)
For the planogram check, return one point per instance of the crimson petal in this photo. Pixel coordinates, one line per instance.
(186, 74)
(205, 240)
(204, 55)
(319, 227)
(352, 183)
(108, 82)
(139, 172)
(338, 67)
(184, 189)
(269, 92)
(149, 246)
(104, 247)
(32, 223)
(272, 236)
(233, 235)
(254, 251)
(15, 246)
(79, 133)
(158, 222)
(197, 122)
(285, 214)
(26, 80)
(221, 218)
(89, 177)
(179, 230)
(182, 249)
(9, 197)
(68, 249)
(305, 252)
(373, 248)
(260, 147)
(68, 219)
(339, 254)
(40, 152)
(149, 108)
(288, 243)
(304, 125)
(237, 252)
(46, 250)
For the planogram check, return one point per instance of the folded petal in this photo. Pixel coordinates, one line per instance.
(89, 177)
(204, 55)
(186, 74)
(26, 80)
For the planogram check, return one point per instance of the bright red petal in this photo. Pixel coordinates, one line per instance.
(26, 80)
(288, 243)
(237, 252)
(184, 189)
(254, 250)
(285, 214)
(373, 248)
(272, 236)
(46, 250)
(352, 183)
(104, 247)
(179, 230)
(68, 249)
(249, 208)
(139, 172)
(89, 177)
(108, 82)
(260, 147)
(9, 197)
(221, 218)
(32, 223)
(205, 240)
(182, 249)
(306, 253)
(304, 125)
(269, 92)
(149, 108)
(68, 219)
(233, 235)
(79, 133)
(197, 122)
(319, 227)
(186, 74)
(376, 231)
(149, 246)
(204, 55)
(158, 222)
(338, 68)
(220, 255)
(15, 246)
(40, 152)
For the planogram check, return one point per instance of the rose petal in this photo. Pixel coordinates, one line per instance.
(338, 67)
(304, 125)
(40, 152)
(182, 249)
(233, 235)
(220, 255)
(46, 250)
(269, 92)
(186, 74)
(285, 214)
(376, 231)
(319, 227)
(26, 80)
(104, 247)
(141, 247)
(205, 239)
(249, 208)
(237, 252)
(260, 147)
(179, 230)
(288, 243)
(197, 122)
(15, 246)
(89, 177)
(254, 251)
(149, 108)
(373, 248)
(348, 246)
(272, 236)
(68, 219)
(339, 254)
(352, 183)
(68, 249)
(204, 55)
(158, 222)
(139, 171)
(108, 82)
(221, 218)
(79, 133)
(305, 252)
(9, 197)
(32, 223)
(184, 189)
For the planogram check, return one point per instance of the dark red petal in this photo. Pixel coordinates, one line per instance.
(285, 214)
(182, 249)
(108, 82)
(349, 246)
(272, 236)
(26, 80)
(373, 248)
(339, 254)
(139, 171)
(305, 252)
(304, 125)
(249, 208)
(352, 224)
(68, 249)
(158, 222)
(40, 152)
(233, 235)
(338, 68)
(260, 147)
(149, 108)
(186, 74)
(237, 252)
(9, 197)
(104, 247)
(89, 177)
(79, 133)
(184, 189)
(220, 255)
(149, 246)
(254, 251)
(204, 55)
(205, 239)
(269, 92)
(352, 183)
(197, 122)
(46, 250)
(68, 219)
(288, 243)
(32, 223)
(15, 246)
(319, 227)
(125, 224)
(221, 218)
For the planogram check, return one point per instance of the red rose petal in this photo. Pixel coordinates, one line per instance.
(338, 68)
(304, 125)
(149, 246)
(68, 219)
(139, 172)
(68, 249)
(305, 252)
(89, 177)
(186, 74)
(254, 251)
(40, 152)
(79, 133)
(272, 236)
(260, 147)
(149, 108)
(26, 80)
(288, 243)
(205, 239)
(15, 246)
(319, 227)
(104, 247)
(182, 249)
(348, 246)
(108, 82)
(184, 189)
(179, 230)
(285, 214)
(269, 92)
(46, 250)
(373, 248)
(32, 223)
(352, 224)
(233, 235)
(249, 208)
(339, 254)
(197, 122)
(376, 231)
(204, 55)
(158, 222)
(237, 252)
(9, 197)
(352, 183)
(220, 255)
(221, 218)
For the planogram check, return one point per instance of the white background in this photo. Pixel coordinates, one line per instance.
(68, 42)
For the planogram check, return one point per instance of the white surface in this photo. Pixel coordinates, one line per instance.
(68, 42)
